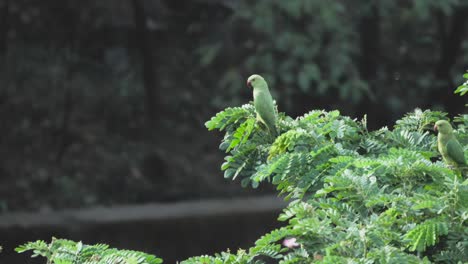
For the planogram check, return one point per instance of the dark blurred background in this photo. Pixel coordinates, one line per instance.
(103, 102)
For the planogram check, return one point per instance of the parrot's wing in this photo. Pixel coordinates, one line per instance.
(266, 111)
(455, 151)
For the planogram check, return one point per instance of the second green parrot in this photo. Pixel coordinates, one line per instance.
(263, 103)
(448, 145)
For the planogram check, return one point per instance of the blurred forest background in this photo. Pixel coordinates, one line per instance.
(104, 102)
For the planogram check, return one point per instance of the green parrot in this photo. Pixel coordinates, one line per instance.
(263, 103)
(448, 145)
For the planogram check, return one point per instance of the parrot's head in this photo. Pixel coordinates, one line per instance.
(443, 127)
(255, 81)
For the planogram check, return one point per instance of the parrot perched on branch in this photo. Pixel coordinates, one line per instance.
(448, 145)
(263, 103)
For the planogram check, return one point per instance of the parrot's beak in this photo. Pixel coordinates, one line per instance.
(435, 128)
(249, 84)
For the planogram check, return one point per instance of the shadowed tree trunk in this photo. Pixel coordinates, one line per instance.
(65, 140)
(369, 31)
(70, 62)
(4, 27)
(144, 46)
(370, 43)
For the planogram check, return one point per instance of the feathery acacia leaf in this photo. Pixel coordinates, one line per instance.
(70, 252)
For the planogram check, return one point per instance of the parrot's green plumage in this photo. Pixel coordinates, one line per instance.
(448, 145)
(263, 103)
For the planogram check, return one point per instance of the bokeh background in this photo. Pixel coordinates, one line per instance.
(103, 102)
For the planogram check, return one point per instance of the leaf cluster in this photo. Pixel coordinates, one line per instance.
(463, 89)
(61, 251)
(357, 196)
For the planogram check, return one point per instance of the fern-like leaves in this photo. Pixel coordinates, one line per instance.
(62, 251)
(426, 234)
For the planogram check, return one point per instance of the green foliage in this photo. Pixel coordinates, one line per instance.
(419, 120)
(265, 247)
(61, 251)
(463, 89)
(230, 117)
(357, 196)
(426, 234)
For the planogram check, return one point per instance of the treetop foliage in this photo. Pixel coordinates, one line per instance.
(357, 196)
